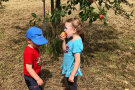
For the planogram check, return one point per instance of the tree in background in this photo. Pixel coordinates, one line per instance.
(90, 10)
(55, 25)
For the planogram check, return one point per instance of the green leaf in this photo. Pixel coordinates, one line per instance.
(76, 2)
(91, 8)
(46, 19)
(68, 1)
(39, 20)
(62, 13)
(81, 13)
(105, 23)
(107, 6)
(84, 18)
(105, 18)
(69, 12)
(34, 15)
(30, 22)
(35, 23)
(90, 22)
(132, 13)
(100, 2)
(64, 7)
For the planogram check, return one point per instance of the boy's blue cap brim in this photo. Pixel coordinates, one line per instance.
(36, 35)
(39, 40)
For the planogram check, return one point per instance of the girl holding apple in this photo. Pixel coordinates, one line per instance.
(72, 51)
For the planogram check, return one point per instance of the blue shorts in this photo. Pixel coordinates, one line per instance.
(32, 83)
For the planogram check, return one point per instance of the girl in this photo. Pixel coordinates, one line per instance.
(72, 50)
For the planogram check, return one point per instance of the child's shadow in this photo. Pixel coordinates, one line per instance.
(45, 75)
(64, 83)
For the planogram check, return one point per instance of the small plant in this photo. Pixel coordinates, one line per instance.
(35, 20)
(53, 47)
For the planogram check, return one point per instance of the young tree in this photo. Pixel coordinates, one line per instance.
(90, 10)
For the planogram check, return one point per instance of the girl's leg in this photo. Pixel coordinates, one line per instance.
(72, 85)
(31, 83)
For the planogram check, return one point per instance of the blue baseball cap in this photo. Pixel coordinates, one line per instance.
(36, 36)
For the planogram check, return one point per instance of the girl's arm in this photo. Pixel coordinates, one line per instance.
(64, 45)
(76, 66)
(34, 74)
(63, 42)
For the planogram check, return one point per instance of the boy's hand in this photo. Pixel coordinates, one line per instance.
(40, 82)
(71, 78)
(33, 74)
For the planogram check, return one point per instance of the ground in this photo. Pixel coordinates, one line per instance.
(108, 60)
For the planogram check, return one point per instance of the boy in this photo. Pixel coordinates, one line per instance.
(32, 61)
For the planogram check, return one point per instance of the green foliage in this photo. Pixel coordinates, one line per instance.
(88, 12)
(35, 20)
(53, 47)
(55, 18)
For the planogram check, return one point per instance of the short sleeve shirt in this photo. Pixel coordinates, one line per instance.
(72, 47)
(31, 56)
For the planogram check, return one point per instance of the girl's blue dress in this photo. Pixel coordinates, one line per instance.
(75, 46)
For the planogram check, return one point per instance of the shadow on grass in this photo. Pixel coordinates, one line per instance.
(100, 38)
(45, 75)
(64, 83)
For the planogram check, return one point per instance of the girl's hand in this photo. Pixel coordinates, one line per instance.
(71, 78)
(62, 36)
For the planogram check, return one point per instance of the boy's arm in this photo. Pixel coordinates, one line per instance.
(76, 66)
(34, 74)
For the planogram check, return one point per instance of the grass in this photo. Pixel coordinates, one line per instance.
(1, 33)
(108, 59)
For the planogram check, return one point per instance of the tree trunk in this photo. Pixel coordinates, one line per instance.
(0, 3)
(52, 12)
(58, 6)
(55, 26)
(52, 7)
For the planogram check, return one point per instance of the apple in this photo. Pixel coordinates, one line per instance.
(63, 34)
(91, 1)
(100, 16)
(120, 11)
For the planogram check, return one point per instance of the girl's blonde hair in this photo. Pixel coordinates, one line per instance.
(77, 24)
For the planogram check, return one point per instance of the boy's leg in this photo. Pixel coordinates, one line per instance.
(72, 85)
(31, 83)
